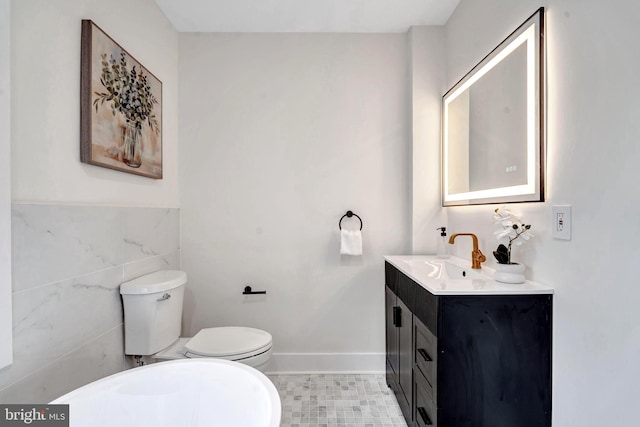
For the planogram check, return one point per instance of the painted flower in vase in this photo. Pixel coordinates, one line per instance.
(128, 93)
(512, 231)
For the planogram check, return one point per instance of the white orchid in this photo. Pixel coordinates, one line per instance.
(512, 228)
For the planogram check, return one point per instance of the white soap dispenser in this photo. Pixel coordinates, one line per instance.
(443, 243)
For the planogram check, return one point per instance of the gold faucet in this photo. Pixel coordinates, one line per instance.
(477, 257)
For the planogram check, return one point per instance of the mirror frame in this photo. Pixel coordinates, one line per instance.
(532, 30)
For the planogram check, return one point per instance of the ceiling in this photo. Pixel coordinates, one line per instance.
(336, 16)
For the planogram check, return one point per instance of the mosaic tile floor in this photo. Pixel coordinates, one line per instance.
(320, 400)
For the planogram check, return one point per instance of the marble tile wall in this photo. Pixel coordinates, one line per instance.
(68, 263)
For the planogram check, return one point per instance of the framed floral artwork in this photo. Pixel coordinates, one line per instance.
(120, 108)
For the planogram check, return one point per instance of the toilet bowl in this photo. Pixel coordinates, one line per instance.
(152, 320)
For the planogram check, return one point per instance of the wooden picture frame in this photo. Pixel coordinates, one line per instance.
(120, 107)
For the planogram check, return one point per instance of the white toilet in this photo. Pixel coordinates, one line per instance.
(152, 323)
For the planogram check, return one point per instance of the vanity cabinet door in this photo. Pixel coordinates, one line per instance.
(494, 361)
(399, 346)
(391, 332)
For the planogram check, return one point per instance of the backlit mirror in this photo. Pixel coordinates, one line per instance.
(493, 124)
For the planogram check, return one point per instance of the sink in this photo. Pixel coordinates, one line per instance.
(456, 272)
(443, 269)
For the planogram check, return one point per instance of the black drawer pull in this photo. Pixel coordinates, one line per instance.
(424, 416)
(397, 317)
(425, 355)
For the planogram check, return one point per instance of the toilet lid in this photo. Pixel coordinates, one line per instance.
(228, 341)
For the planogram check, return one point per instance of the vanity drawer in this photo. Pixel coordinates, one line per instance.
(425, 351)
(425, 408)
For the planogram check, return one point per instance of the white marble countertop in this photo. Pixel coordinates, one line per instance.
(454, 276)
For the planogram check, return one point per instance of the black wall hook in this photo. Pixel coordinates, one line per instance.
(349, 214)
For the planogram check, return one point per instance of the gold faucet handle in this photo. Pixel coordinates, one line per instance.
(477, 258)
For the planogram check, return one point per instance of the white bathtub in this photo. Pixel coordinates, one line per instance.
(192, 392)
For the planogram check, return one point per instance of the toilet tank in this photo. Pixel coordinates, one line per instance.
(152, 311)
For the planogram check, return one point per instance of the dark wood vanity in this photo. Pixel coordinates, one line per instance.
(468, 359)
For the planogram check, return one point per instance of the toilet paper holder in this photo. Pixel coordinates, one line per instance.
(248, 291)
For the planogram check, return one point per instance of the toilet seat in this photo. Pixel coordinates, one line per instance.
(229, 342)
(245, 345)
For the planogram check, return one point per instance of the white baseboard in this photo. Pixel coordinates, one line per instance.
(327, 363)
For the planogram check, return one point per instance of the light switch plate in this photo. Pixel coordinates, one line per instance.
(561, 222)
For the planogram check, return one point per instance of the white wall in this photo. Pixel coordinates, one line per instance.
(280, 135)
(427, 84)
(46, 103)
(6, 349)
(593, 157)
